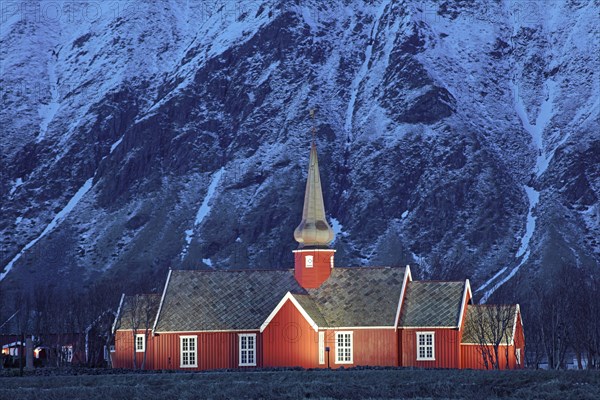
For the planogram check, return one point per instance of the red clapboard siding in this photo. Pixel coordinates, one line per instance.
(373, 347)
(215, 350)
(289, 340)
(471, 357)
(123, 356)
(447, 352)
(320, 271)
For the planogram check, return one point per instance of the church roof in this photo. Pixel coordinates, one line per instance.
(222, 300)
(432, 304)
(240, 300)
(359, 296)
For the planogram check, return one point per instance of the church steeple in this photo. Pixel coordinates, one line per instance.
(313, 261)
(313, 231)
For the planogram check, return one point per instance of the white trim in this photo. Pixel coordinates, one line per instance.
(407, 278)
(351, 347)
(195, 351)
(252, 350)
(135, 343)
(486, 344)
(464, 302)
(289, 296)
(214, 331)
(322, 347)
(314, 250)
(429, 327)
(335, 328)
(162, 299)
(114, 327)
(419, 358)
(514, 330)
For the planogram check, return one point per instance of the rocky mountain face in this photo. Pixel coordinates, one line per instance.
(462, 138)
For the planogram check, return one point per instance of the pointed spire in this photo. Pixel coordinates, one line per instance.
(313, 231)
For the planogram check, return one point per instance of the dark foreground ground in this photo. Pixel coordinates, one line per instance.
(318, 384)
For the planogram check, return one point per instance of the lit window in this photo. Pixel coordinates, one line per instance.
(309, 261)
(140, 343)
(247, 349)
(188, 351)
(343, 347)
(425, 346)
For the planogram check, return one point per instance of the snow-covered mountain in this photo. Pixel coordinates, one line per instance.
(463, 137)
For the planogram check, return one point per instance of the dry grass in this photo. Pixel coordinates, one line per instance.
(321, 384)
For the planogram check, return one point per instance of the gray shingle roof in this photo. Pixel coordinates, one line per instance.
(223, 300)
(231, 300)
(359, 296)
(311, 308)
(432, 304)
(486, 324)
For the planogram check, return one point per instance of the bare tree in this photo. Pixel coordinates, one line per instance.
(22, 307)
(139, 311)
(490, 327)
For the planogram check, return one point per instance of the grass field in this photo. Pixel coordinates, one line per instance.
(317, 384)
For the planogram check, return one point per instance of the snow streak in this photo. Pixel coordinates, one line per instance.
(362, 73)
(48, 111)
(62, 214)
(203, 210)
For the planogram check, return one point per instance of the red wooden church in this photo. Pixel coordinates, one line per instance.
(316, 315)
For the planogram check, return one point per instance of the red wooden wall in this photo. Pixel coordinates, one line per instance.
(447, 348)
(319, 273)
(290, 341)
(374, 347)
(471, 355)
(215, 350)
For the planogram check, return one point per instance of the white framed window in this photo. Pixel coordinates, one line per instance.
(309, 261)
(321, 347)
(67, 353)
(140, 343)
(247, 346)
(188, 346)
(343, 347)
(518, 356)
(331, 261)
(425, 346)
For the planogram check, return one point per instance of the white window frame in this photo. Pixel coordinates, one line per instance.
(248, 351)
(321, 347)
(425, 346)
(138, 348)
(338, 348)
(307, 263)
(193, 352)
(518, 356)
(67, 353)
